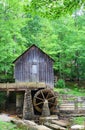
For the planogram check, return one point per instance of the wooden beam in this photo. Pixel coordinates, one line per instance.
(21, 86)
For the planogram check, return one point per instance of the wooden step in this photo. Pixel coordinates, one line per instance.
(61, 123)
(54, 126)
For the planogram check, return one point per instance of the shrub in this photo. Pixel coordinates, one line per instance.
(60, 83)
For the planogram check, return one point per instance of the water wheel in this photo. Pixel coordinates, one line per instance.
(41, 96)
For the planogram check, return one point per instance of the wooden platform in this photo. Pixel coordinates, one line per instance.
(21, 86)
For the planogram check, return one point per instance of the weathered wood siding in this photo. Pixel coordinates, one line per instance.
(34, 66)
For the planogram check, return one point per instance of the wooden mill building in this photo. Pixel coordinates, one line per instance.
(34, 81)
(34, 66)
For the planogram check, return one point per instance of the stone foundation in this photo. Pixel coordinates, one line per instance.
(19, 103)
(28, 111)
(45, 110)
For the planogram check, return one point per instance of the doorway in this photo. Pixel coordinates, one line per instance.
(35, 73)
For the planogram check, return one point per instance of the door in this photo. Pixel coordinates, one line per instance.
(35, 74)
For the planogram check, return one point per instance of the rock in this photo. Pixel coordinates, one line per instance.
(36, 126)
(78, 127)
(42, 127)
(45, 110)
(27, 124)
(47, 119)
(5, 117)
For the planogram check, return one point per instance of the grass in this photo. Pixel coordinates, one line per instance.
(79, 120)
(8, 126)
(71, 91)
(11, 126)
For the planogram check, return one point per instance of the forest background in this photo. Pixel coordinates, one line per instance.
(57, 27)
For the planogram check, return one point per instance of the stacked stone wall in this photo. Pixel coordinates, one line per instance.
(71, 103)
(28, 112)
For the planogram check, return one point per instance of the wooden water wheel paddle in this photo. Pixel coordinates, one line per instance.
(41, 96)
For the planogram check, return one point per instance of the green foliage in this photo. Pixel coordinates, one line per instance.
(31, 29)
(2, 99)
(8, 126)
(70, 90)
(52, 9)
(11, 40)
(62, 38)
(60, 83)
